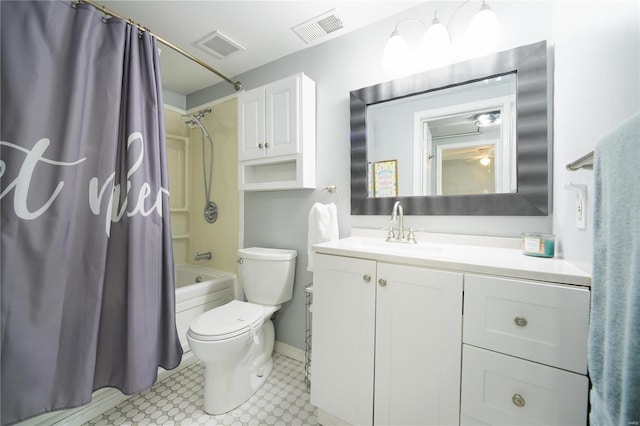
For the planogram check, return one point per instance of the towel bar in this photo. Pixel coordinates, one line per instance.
(584, 162)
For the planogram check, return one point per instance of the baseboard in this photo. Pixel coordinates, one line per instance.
(289, 351)
(327, 419)
(102, 401)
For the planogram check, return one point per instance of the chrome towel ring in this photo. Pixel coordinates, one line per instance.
(331, 189)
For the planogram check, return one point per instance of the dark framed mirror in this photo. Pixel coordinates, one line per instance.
(529, 182)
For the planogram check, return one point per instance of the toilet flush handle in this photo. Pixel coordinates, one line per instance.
(256, 339)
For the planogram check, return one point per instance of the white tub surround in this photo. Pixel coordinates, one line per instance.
(392, 346)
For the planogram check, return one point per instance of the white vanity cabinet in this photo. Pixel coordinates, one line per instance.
(386, 342)
(465, 331)
(525, 352)
(276, 135)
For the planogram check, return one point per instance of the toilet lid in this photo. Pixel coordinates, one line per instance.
(227, 321)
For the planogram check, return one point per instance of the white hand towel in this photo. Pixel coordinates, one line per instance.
(323, 227)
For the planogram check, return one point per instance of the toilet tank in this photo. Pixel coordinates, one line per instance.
(266, 274)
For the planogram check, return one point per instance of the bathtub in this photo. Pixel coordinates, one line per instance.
(199, 289)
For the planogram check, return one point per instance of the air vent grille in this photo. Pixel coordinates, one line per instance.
(313, 30)
(220, 45)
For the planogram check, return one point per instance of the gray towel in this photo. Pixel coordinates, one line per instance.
(614, 336)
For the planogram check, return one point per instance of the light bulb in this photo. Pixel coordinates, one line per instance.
(484, 32)
(436, 45)
(396, 53)
(485, 160)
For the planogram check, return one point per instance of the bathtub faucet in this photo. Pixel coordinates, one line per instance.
(203, 256)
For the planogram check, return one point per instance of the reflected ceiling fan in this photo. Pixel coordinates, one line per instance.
(484, 155)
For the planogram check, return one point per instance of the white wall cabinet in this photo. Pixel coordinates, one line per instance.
(276, 135)
(386, 342)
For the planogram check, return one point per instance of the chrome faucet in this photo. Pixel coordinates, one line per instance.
(203, 256)
(397, 211)
(397, 216)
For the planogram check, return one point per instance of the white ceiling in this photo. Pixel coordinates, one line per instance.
(262, 27)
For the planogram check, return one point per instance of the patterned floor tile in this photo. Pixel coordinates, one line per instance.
(177, 400)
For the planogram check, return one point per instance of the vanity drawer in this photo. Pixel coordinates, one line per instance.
(541, 322)
(502, 390)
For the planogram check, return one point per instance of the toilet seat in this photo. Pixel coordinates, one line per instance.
(227, 321)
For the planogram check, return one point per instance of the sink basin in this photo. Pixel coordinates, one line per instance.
(391, 247)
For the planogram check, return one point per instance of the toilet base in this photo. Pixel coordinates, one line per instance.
(231, 381)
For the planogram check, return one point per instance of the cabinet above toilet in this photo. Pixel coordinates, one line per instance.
(277, 135)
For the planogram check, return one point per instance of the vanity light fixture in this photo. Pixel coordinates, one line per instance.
(483, 32)
(436, 44)
(485, 160)
(435, 50)
(396, 52)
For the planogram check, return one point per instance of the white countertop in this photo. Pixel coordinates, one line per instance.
(479, 257)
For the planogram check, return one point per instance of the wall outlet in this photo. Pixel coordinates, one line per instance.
(581, 216)
(581, 203)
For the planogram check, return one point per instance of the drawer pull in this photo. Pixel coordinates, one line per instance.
(366, 278)
(518, 400)
(520, 321)
(382, 282)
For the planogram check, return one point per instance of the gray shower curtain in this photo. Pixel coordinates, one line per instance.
(87, 266)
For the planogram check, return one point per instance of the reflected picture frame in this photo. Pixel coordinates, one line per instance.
(385, 178)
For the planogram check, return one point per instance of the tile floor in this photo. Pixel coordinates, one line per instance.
(177, 400)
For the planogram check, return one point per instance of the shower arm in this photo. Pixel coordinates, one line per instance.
(108, 12)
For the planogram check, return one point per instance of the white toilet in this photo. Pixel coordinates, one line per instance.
(235, 341)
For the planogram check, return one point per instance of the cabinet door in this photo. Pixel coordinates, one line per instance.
(282, 117)
(418, 345)
(251, 124)
(343, 337)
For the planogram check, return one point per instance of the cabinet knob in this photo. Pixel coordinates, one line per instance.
(266, 145)
(260, 146)
(366, 278)
(520, 321)
(518, 400)
(382, 282)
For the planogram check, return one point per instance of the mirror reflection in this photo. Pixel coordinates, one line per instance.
(514, 188)
(457, 141)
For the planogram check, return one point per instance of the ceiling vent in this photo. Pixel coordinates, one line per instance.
(219, 45)
(313, 30)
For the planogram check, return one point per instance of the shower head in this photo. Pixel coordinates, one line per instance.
(202, 112)
(193, 120)
(189, 121)
(196, 115)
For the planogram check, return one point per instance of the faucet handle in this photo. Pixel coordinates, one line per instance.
(391, 235)
(411, 237)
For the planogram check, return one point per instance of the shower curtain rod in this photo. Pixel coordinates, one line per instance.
(236, 84)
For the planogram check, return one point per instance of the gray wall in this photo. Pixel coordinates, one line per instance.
(169, 97)
(596, 87)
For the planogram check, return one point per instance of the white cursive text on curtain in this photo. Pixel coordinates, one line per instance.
(116, 206)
